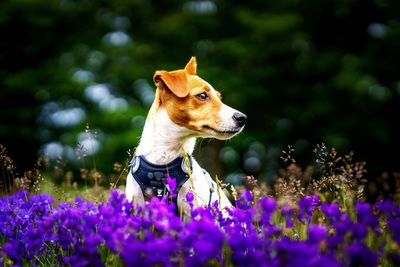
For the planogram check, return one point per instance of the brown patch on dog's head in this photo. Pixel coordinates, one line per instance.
(175, 81)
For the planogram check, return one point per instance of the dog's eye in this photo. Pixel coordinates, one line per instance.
(203, 96)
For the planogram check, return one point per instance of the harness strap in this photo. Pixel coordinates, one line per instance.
(152, 178)
(211, 184)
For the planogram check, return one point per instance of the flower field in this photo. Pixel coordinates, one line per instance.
(35, 231)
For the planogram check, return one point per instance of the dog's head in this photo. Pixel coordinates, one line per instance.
(194, 104)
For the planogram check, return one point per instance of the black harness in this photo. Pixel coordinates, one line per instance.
(152, 178)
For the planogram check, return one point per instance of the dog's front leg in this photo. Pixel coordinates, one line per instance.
(133, 191)
(217, 193)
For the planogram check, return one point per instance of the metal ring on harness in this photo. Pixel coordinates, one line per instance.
(135, 164)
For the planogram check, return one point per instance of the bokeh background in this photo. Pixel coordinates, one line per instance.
(305, 73)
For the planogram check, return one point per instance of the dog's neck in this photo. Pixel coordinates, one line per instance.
(162, 140)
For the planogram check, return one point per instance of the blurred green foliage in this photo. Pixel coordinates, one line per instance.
(304, 72)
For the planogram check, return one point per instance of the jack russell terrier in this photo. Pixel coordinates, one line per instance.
(185, 107)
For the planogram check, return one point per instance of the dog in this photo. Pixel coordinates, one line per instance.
(185, 107)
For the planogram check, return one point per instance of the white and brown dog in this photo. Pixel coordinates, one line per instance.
(185, 107)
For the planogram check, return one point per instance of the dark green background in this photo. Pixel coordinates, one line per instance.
(304, 72)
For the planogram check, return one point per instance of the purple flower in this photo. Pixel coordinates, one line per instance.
(202, 240)
(246, 245)
(394, 227)
(266, 207)
(392, 213)
(388, 207)
(245, 200)
(317, 233)
(307, 205)
(359, 255)
(151, 251)
(365, 216)
(332, 211)
(287, 212)
(267, 204)
(171, 186)
(288, 252)
(190, 197)
(33, 229)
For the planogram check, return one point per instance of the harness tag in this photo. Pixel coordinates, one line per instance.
(159, 193)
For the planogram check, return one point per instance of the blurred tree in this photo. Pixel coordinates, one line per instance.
(305, 72)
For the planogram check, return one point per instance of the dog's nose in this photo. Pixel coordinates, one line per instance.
(239, 118)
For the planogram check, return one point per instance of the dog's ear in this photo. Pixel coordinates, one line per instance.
(176, 81)
(191, 66)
